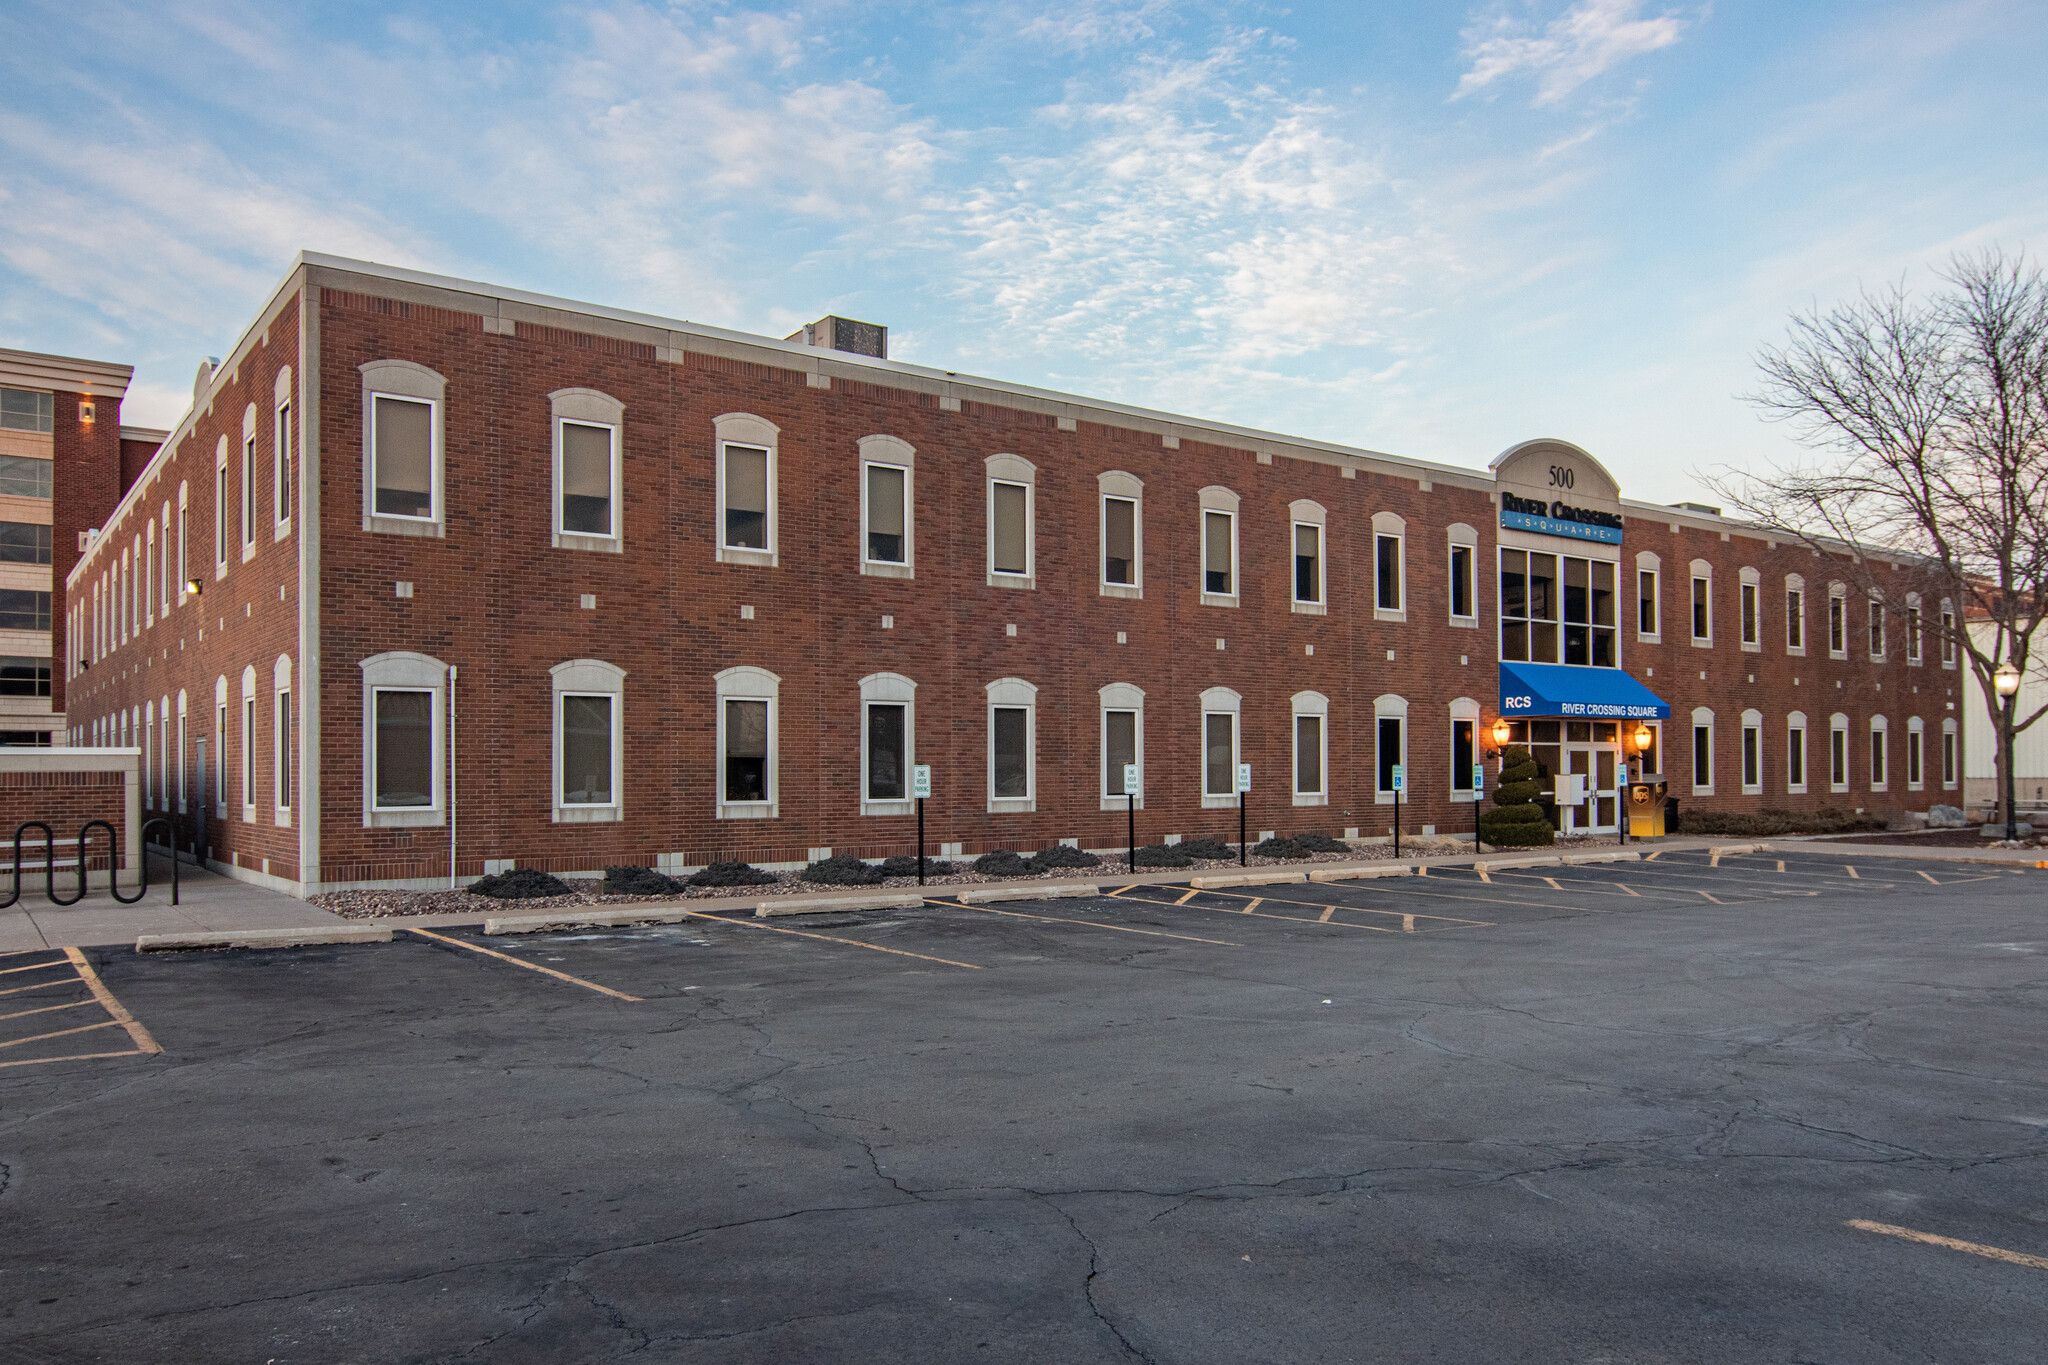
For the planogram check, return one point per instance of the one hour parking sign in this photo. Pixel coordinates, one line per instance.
(1244, 777)
(920, 780)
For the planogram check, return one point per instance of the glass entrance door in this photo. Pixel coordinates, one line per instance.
(1594, 752)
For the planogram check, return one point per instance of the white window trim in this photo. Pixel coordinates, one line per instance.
(1752, 735)
(247, 767)
(248, 480)
(1116, 483)
(1795, 583)
(283, 412)
(1305, 512)
(1648, 563)
(183, 704)
(1120, 697)
(1749, 592)
(1317, 705)
(888, 689)
(1462, 537)
(1916, 748)
(220, 747)
(220, 509)
(1389, 706)
(1012, 694)
(1010, 469)
(1913, 621)
(403, 671)
(1795, 725)
(589, 678)
(890, 452)
(1464, 711)
(1880, 742)
(283, 756)
(1220, 701)
(747, 684)
(1216, 498)
(1702, 572)
(758, 433)
(184, 527)
(1838, 724)
(1874, 619)
(1393, 526)
(1951, 749)
(149, 565)
(588, 408)
(1702, 718)
(1950, 649)
(1838, 593)
(404, 379)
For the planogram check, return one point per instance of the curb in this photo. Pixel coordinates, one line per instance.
(1245, 879)
(1355, 874)
(1502, 864)
(260, 938)
(597, 919)
(1730, 850)
(974, 896)
(823, 905)
(1580, 859)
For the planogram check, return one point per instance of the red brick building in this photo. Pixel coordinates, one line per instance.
(437, 565)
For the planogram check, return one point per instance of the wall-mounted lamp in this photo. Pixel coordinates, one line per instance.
(192, 587)
(85, 412)
(1644, 738)
(1502, 732)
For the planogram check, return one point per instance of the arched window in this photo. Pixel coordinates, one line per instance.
(1123, 741)
(1222, 744)
(1311, 726)
(749, 728)
(888, 743)
(1390, 745)
(1012, 746)
(404, 700)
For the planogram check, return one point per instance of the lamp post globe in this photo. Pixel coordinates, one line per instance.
(2006, 679)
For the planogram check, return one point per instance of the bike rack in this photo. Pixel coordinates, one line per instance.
(113, 872)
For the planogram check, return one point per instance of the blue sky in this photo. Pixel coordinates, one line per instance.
(1428, 229)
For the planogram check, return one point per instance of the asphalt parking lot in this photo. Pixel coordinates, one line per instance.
(1786, 1107)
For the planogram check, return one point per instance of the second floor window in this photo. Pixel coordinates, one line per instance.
(24, 542)
(1308, 562)
(1752, 628)
(1462, 583)
(1702, 610)
(22, 476)
(1120, 541)
(1218, 579)
(402, 457)
(1009, 528)
(589, 470)
(888, 516)
(746, 502)
(1646, 602)
(1795, 619)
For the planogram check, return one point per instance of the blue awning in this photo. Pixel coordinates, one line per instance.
(1567, 690)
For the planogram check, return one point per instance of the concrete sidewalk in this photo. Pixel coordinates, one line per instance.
(207, 901)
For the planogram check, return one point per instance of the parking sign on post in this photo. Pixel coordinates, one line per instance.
(1130, 779)
(920, 781)
(1400, 777)
(1244, 778)
(1244, 784)
(1478, 777)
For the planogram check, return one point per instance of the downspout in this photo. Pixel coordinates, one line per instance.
(452, 671)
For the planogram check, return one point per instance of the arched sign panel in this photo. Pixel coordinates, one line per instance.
(1554, 488)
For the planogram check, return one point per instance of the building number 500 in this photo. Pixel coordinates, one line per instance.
(1561, 476)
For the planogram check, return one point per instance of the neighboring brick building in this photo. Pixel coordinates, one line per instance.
(63, 453)
(605, 587)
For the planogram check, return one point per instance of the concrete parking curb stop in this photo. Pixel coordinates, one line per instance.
(1245, 879)
(1058, 890)
(1357, 874)
(593, 919)
(1485, 865)
(1581, 859)
(823, 905)
(261, 938)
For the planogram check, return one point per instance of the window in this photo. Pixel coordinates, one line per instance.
(179, 766)
(1795, 615)
(1948, 754)
(1530, 609)
(1221, 708)
(1702, 752)
(248, 745)
(888, 513)
(1464, 588)
(1123, 533)
(1012, 775)
(1916, 739)
(148, 564)
(1649, 615)
(1011, 479)
(1702, 603)
(184, 568)
(1880, 746)
(1219, 546)
(1795, 753)
(1752, 624)
(281, 452)
(1528, 606)
(1311, 712)
(1876, 629)
(1589, 613)
(1464, 747)
(1752, 753)
(1948, 635)
(164, 573)
(22, 410)
(24, 542)
(249, 492)
(220, 509)
(888, 743)
(1838, 753)
(24, 609)
(1913, 629)
(588, 469)
(746, 530)
(1389, 592)
(281, 736)
(24, 476)
(1390, 747)
(24, 676)
(1306, 523)
(1123, 741)
(402, 762)
(402, 447)
(1838, 622)
(589, 705)
(749, 785)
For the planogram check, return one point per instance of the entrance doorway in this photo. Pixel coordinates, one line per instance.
(1592, 751)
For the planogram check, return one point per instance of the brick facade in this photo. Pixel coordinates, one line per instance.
(495, 598)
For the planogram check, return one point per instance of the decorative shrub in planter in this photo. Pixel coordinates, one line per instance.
(520, 884)
(1164, 855)
(1281, 846)
(1002, 862)
(842, 870)
(1516, 821)
(639, 881)
(1321, 843)
(905, 865)
(1205, 847)
(1059, 855)
(732, 874)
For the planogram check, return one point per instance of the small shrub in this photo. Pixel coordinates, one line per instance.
(1059, 855)
(1164, 855)
(1772, 820)
(1205, 847)
(639, 881)
(842, 870)
(1002, 862)
(521, 883)
(1516, 827)
(732, 874)
(1321, 843)
(905, 865)
(1280, 846)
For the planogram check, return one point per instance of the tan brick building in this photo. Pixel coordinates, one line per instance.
(434, 565)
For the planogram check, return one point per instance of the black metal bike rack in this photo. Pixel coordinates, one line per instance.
(113, 861)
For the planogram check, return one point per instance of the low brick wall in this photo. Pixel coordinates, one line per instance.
(64, 788)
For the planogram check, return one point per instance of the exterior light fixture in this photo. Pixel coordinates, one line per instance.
(192, 587)
(2006, 679)
(1643, 738)
(1501, 733)
(2007, 682)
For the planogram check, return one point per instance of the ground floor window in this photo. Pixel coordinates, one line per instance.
(1795, 758)
(746, 749)
(1119, 748)
(1702, 756)
(586, 721)
(1219, 753)
(403, 749)
(1914, 741)
(1009, 739)
(888, 736)
(1879, 752)
(1838, 755)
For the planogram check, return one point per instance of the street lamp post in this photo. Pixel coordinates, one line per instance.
(2007, 682)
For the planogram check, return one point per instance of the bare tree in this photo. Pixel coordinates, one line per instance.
(1930, 418)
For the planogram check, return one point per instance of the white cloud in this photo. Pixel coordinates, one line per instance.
(1588, 39)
